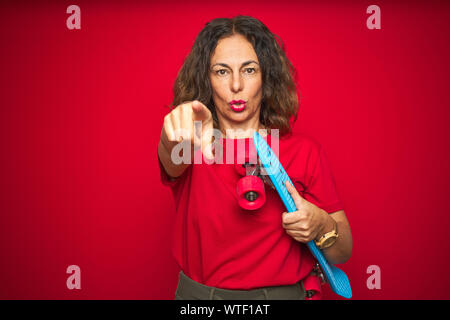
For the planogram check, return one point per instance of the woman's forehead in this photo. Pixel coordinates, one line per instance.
(235, 49)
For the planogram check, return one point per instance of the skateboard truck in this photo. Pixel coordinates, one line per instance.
(318, 272)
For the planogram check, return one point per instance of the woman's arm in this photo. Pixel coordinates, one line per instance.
(341, 250)
(172, 170)
(179, 123)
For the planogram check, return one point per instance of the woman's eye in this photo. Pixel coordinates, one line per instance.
(221, 72)
(249, 70)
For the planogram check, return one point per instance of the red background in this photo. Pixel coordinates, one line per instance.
(81, 114)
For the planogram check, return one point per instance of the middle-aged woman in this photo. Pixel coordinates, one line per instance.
(237, 79)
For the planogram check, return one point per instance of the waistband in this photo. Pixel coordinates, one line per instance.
(189, 289)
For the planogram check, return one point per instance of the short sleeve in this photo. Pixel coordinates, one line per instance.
(321, 187)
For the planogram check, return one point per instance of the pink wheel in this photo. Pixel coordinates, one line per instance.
(250, 191)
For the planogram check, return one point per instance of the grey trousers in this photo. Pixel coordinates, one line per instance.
(189, 289)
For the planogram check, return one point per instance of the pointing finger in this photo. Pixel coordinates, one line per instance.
(201, 112)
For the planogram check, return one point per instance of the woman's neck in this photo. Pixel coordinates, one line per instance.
(241, 131)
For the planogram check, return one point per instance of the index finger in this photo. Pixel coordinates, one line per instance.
(201, 112)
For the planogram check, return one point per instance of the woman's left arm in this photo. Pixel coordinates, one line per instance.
(341, 250)
(310, 222)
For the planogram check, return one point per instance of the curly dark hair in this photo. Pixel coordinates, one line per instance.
(279, 101)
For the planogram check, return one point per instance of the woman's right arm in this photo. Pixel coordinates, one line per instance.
(179, 123)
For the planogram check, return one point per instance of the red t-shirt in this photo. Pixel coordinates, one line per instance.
(219, 244)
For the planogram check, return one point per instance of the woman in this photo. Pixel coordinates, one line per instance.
(237, 79)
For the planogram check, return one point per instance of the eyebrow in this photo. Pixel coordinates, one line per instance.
(242, 65)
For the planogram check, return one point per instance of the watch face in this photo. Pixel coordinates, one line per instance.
(328, 242)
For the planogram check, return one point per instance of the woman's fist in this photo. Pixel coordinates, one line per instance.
(308, 222)
(180, 125)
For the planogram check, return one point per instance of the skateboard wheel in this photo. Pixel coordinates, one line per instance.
(250, 192)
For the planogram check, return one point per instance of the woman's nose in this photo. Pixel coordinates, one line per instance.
(237, 83)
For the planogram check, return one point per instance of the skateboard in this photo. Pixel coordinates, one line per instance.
(271, 167)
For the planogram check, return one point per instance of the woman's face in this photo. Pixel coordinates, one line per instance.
(236, 82)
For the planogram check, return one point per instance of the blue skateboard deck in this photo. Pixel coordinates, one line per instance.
(336, 278)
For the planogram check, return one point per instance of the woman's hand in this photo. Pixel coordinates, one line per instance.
(309, 222)
(179, 126)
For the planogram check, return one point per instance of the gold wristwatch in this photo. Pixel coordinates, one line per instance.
(328, 239)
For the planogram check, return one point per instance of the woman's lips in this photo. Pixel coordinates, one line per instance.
(237, 105)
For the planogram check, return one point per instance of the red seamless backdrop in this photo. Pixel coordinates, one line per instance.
(81, 113)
